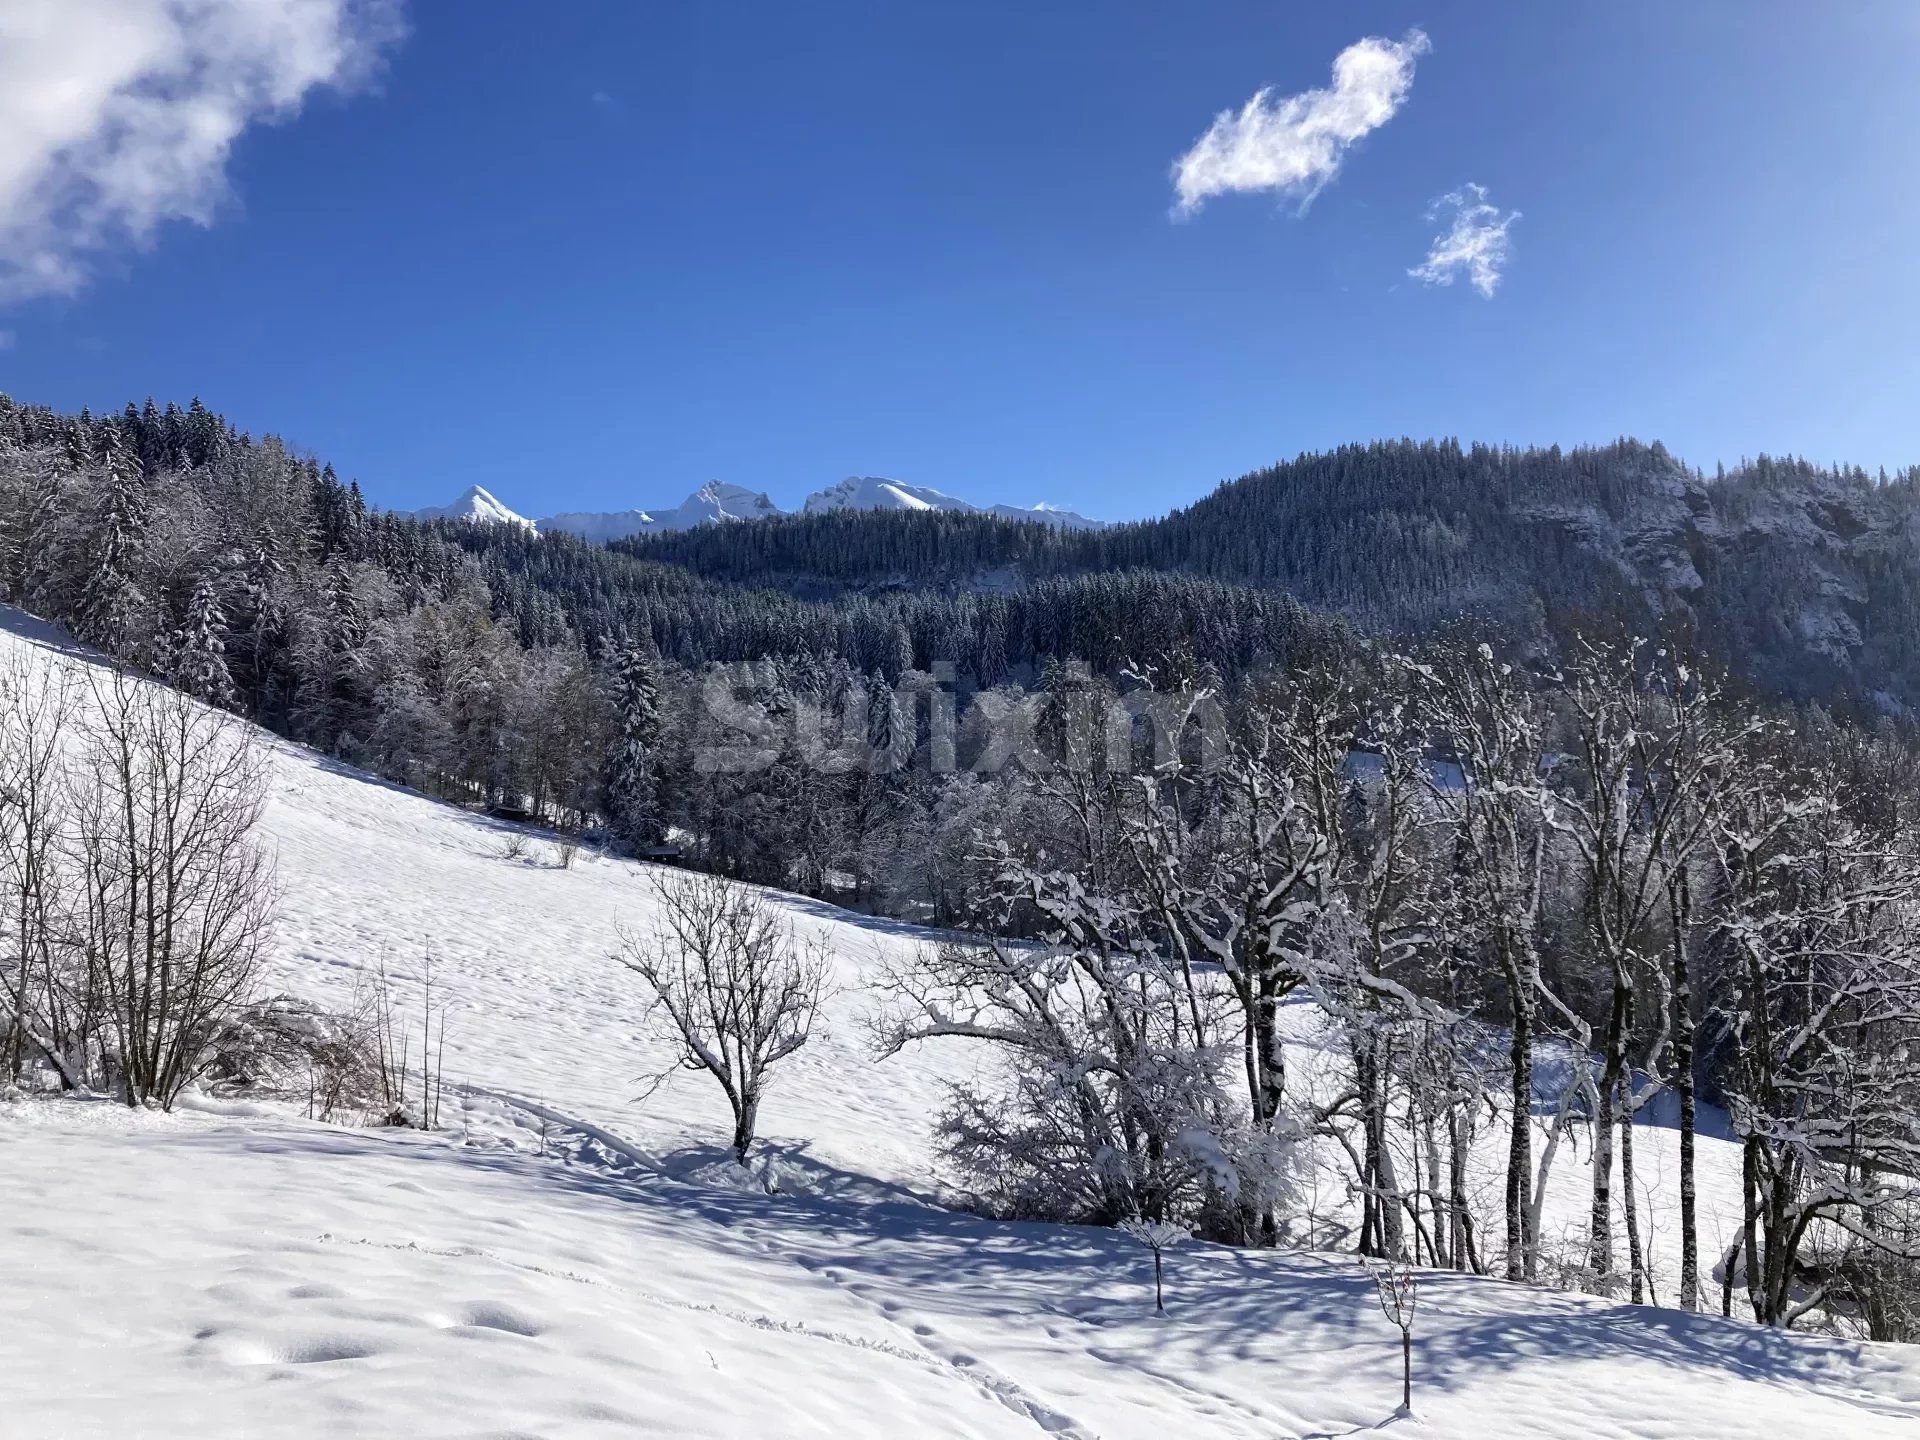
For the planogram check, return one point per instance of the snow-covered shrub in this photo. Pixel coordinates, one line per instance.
(1101, 1108)
(1069, 1144)
(285, 1048)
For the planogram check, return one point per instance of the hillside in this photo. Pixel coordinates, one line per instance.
(1808, 579)
(566, 1256)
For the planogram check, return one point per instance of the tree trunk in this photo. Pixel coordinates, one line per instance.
(743, 1118)
(1271, 1082)
(1636, 1256)
(1726, 1275)
(1459, 1142)
(1386, 1181)
(1750, 1205)
(1600, 1236)
(1436, 1202)
(1684, 1083)
(1520, 1248)
(1370, 1241)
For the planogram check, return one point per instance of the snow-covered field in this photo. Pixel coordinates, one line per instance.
(568, 1260)
(205, 1276)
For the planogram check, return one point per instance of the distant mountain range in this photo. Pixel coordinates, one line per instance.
(718, 500)
(713, 501)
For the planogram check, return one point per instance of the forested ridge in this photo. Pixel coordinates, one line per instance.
(1809, 577)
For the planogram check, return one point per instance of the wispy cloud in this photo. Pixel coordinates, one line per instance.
(120, 115)
(1293, 144)
(1475, 243)
(6, 339)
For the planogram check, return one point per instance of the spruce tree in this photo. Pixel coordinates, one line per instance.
(199, 648)
(632, 772)
(111, 596)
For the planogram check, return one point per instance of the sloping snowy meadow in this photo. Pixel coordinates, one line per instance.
(570, 1256)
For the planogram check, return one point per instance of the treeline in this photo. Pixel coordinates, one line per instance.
(1391, 533)
(555, 585)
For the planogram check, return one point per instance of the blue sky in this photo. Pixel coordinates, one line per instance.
(592, 254)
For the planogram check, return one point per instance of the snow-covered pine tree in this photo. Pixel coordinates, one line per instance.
(332, 702)
(30, 509)
(890, 726)
(198, 648)
(79, 445)
(111, 597)
(632, 773)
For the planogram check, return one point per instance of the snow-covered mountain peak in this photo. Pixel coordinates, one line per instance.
(876, 492)
(1047, 514)
(714, 501)
(478, 505)
(723, 500)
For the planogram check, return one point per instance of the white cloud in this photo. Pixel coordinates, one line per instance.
(120, 115)
(6, 339)
(1474, 244)
(1293, 145)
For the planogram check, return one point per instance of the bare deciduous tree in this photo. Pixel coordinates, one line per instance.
(177, 898)
(1654, 761)
(732, 987)
(35, 981)
(1159, 1236)
(1398, 1287)
(1821, 1006)
(1491, 724)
